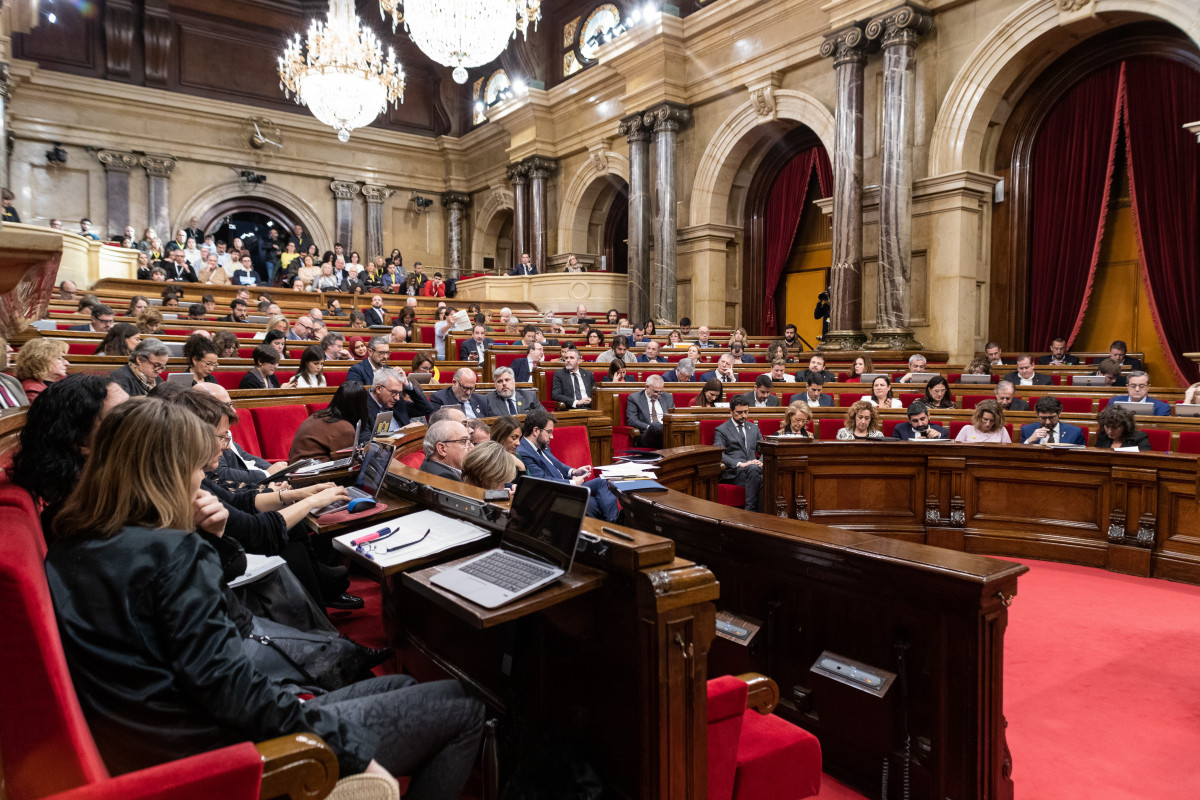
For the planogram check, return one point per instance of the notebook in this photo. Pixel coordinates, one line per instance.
(537, 548)
(370, 478)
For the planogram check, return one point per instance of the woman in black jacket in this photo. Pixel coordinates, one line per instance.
(1118, 428)
(266, 361)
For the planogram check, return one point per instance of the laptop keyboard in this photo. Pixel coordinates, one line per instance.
(506, 571)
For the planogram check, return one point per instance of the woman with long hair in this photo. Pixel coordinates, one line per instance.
(650, 329)
(617, 372)
(506, 431)
(226, 344)
(276, 323)
(426, 361)
(120, 340)
(674, 338)
(861, 366)
(311, 373)
(332, 428)
(41, 362)
(326, 281)
(987, 425)
(711, 393)
(862, 422)
(408, 317)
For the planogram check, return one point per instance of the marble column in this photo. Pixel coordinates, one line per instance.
(637, 133)
(456, 207)
(848, 49)
(898, 31)
(5, 97)
(116, 190)
(540, 168)
(519, 175)
(158, 195)
(666, 120)
(375, 197)
(343, 212)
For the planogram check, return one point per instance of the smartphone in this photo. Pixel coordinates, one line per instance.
(495, 494)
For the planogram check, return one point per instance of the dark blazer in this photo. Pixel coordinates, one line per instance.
(375, 316)
(712, 374)
(672, 376)
(445, 397)
(637, 409)
(412, 403)
(736, 450)
(1161, 409)
(537, 467)
(772, 400)
(254, 380)
(363, 372)
(659, 360)
(521, 269)
(469, 350)
(1138, 439)
(748, 359)
(904, 431)
(826, 400)
(440, 469)
(243, 277)
(124, 377)
(1039, 379)
(1045, 360)
(524, 399)
(185, 273)
(1069, 433)
(804, 374)
(520, 369)
(1019, 405)
(562, 390)
(85, 328)
(1131, 363)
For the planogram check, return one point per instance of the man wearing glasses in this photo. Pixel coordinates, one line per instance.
(1048, 430)
(388, 388)
(460, 392)
(302, 330)
(377, 357)
(446, 446)
(102, 320)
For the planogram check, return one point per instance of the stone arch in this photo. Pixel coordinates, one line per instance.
(741, 137)
(490, 217)
(1013, 50)
(587, 186)
(298, 208)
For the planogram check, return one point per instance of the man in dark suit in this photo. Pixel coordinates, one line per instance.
(740, 356)
(460, 392)
(534, 452)
(102, 320)
(644, 412)
(302, 330)
(815, 393)
(148, 360)
(523, 368)
(447, 443)
(918, 425)
(526, 267)
(684, 372)
(507, 399)
(816, 366)
(389, 387)
(1048, 429)
(1025, 375)
(473, 349)
(1139, 392)
(650, 354)
(572, 386)
(1058, 354)
(1117, 352)
(377, 356)
(724, 371)
(178, 269)
(1005, 396)
(760, 396)
(739, 438)
(237, 311)
(374, 314)
(994, 355)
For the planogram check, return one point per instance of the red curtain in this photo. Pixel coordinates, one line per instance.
(1072, 167)
(1164, 180)
(781, 218)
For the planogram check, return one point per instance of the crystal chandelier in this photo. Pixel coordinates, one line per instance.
(343, 77)
(462, 33)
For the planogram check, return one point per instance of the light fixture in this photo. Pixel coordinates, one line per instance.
(340, 72)
(462, 33)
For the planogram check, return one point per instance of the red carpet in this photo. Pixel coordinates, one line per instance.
(1099, 694)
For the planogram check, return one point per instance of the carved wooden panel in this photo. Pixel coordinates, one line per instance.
(73, 44)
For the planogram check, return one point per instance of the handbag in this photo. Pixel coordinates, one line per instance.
(315, 659)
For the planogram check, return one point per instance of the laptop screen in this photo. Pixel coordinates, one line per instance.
(545, 518)
(375, 467)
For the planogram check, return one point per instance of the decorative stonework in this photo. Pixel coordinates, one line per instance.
(598, 155)
(1072, 6)
(158, 166)
(5, 81)
(115, 161)
(344, 190)
(667, 117)
(846, 45)
(762, 96)
(375, 194)
(518, 173)
(540, 167)
(450, 199)
(900, 26)
(634, 128)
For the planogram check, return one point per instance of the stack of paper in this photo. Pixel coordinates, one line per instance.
(409, 542)
(627, 470)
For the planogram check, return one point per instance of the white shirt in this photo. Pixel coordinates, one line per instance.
(1025, 381)
(785, 379)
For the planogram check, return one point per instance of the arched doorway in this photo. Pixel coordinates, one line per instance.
(251, 220)
(608, 224)
(214, 203)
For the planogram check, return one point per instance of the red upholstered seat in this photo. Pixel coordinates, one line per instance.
(972, 400)
(1160, 441)
(622, 433)
(1072, 405)
(570, 445)
(957, 425)
(769, 426)
(731, 494)
(506, 359)
(82, 348)
(708, 429)
(229, 378)
(1101, 404)
(1189, 442)
(908, 398)
(828, 431)
(245, 433)
(277, 427)
(889, 425)
(335, 377)
(847, 399)
(413, 459)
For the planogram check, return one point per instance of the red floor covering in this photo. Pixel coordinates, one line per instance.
(1100, 696)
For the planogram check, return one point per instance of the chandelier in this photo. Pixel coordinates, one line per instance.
(462, 33)
(341, 74)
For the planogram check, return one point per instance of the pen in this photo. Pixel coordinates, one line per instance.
(618, 534)
(401, 546)
(370, 537)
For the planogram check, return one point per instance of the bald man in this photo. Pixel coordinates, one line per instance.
(237, 468)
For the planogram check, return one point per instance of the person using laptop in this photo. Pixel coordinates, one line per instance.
(1138, 385)
(916, 366)
(1048, 429)
(393, 391)
(534, 452)
(447, 443)
(1025, 375)
(331, 429)
(460, 392)
(1118, 353)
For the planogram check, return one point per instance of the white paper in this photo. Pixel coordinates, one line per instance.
(444, 533)
(256, 567)
(626, 469)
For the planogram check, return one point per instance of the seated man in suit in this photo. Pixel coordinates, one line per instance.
(684, 372)
(739, 438)
(507, 400)
(779, 373)
(447, 443)
(650, 354)
(460, 392)
(102, 320)
(1006, 397)
(702, 337)
(740, 356)
(237, 311)
(534, 452)
(1139, 392)
(375, 315)
(523, 368)
(1117, 352)
(724, 371)
(994, 355)
(644, 412)
(572, 386)
(815, 393)
(816, 366)
(1025, 375)
(918, 425)
(1058, 354)
(473, 349)
(1111, 371)
(760, 396)
(302, 330)
(364, 371)
(387, 391)
(916, 364)
(1048, 429)
(526, 267)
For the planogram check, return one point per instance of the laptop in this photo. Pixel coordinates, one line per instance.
(421, 377)
(383, 423)
(1187, 409)
(1136, 408)
(370, 478)
(186, 378)
(869, 377)
(537, 548)
(922, 377)
(174, 348)
(1088, 380)
(974, 378)
(351, 461)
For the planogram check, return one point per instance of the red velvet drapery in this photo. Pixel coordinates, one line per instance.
(1164, 179)
(781, 219)
(1071, 180)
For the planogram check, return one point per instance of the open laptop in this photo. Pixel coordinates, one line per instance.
(186, 378)
(869, 377)
(1187, 409)
(351, 461)
(537, 548)
(922, 377)
(370, 478)
(1136, 408)
(1088, 380)
(974, 378)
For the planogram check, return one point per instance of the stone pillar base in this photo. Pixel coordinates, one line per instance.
(896, 339)
(842, 340)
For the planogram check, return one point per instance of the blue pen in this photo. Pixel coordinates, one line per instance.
(370, 537)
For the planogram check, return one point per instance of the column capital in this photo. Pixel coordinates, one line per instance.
(518, 173)
(453, 199)
(116, 161)
(344, 190)
(901, 26)
(540, 167)
(158, 166)
(634, 128)
(373, 193)
(846, 46)
(667, 117)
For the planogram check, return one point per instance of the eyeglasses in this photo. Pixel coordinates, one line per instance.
(225, 439)
(211, 364)
(465, 441)
(373, 548)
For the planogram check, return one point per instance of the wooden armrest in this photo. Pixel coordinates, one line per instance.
(764, 692)
(300, 767)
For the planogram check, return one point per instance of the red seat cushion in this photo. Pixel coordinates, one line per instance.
(277, 426)
(908, 398)
(1160, 441)
(1072, 405)
(245, 433)
(335, 377)
(413, 459)
(228, 378)
(726, 707)
(82, 348)
(972, 400)
(769, 426)
(708, 429)
(1189, 442)
(570, 445)
(776, 759)
(828, 432)
(731, 494)
(889, 426)
(957, 425)
(1101, 403)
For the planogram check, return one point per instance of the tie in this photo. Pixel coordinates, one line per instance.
(512, 408)
(575, 381)
(1051, 436)
(468, 410)
(745, 444)
(480, 351)
(654, 411)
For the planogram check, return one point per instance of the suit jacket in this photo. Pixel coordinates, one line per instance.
(524, 399)
(441, 470)
(85, 328)
(637, 409)
(124, 377)
(563, 391)
(185, 273)
(537, 466)
(748, 359)
(254, 380)
(469, 350)
(904, 431)
(412, 403)
(520, 368)
(1039, 379)
(375, 316)
(18, 392)
(772, 400)
(659, 360)
(825, 400)
(804, 374)
(1019, 405)
(672, 376)
(1045, 360)
(1069, 434)
(736, 448)
(445, 397)
(1131, 363)
(1161, 409)
(521, 269)
(363, 372)
(712, 374)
